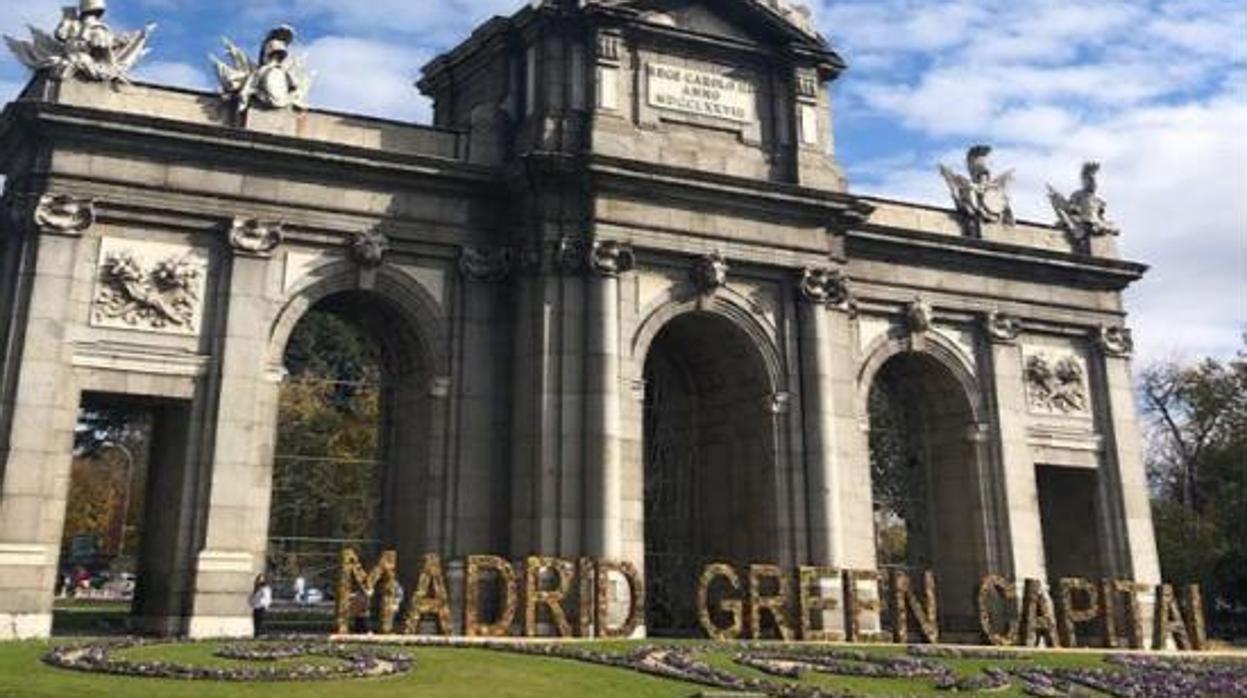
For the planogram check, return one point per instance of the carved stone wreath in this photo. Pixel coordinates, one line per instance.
(1115, 341)
(164, 296)
(1056, 385)
(1002, 328)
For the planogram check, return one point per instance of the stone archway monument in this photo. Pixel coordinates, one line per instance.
(606, 187)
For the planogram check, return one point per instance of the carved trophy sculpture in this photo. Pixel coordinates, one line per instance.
(980, 198)
(1084, 214)
(83, 46)
(279, 81)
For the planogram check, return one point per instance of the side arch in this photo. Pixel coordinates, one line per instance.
(945, 353)
(423, 326)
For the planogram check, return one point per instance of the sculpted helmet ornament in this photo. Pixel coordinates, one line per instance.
(484, 264)
(829, 287)
(251, 236)
(1084, 214)
(1115, 341)
(278, 81)
(611, 257)
(83, 47)
(370, 247)
(980, 198)
(1003, 328)
(710, 272)
(64, 214)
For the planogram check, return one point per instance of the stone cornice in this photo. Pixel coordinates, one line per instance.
(728, 192)
(210, 141)
(1021, 261)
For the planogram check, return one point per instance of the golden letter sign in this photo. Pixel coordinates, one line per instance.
(701, 93)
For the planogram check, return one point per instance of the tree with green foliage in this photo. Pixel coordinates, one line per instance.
(1196, 419)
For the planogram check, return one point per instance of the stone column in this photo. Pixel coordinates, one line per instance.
(603, 411)
(820, 290)
(40, 407)
(1128, 540)
(1018, 530)
(241, 474)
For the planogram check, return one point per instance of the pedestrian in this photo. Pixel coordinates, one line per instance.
(261, 600)
(300, 590)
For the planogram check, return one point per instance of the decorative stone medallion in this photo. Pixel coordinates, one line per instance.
(1056, 382)
(149, 287)
(62, 214)
(1115, 341)
(1002, 328)
(255, 237)
(485, 264)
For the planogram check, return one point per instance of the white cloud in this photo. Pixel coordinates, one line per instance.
(1158, 94)
(367, 77)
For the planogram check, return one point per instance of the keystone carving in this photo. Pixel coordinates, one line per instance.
(163, 296)
(1115, 341)
(829, 287)
(1084, 214)
(1056, 385)
(62, 214)
(710, 271)
(919, 316)
(1002, 328)
(980, 198)
(278, 81)
(611, 258)
(255, 237)
(483, 264)
(83, 46)
(369, 248)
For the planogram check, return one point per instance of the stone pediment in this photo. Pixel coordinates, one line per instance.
(760, 21)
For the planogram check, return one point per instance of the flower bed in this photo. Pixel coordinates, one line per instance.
(353, 663)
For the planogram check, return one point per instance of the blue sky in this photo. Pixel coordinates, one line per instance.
(1157, 91)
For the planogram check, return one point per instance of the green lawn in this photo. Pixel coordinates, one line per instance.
(452, 673)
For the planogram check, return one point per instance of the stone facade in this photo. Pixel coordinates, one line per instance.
(574, 231)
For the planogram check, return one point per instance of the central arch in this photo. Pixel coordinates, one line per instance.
(709, 460)
(387, 399)
(927, 475)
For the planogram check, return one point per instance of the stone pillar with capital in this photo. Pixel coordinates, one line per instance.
(604, 415)
(1128, 538)
(44, 262)
(240, 475)
(1017, 537)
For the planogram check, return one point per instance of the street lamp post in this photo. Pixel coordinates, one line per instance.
(125, 502)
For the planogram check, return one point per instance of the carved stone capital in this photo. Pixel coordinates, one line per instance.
(1115, 341)
(829, 287)
(709, 272)
(611, 257)
(1002, 328)
(491, 265)
(253, 237)
(63, 214)
(369, 248)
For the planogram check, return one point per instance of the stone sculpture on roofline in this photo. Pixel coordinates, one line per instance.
(981, 199)
(1084, 215)
(83, 46)
(278, 81)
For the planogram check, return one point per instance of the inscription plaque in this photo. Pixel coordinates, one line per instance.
(702, 93)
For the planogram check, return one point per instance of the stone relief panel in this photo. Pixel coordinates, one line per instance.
(1056, 382)
(149, 287)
